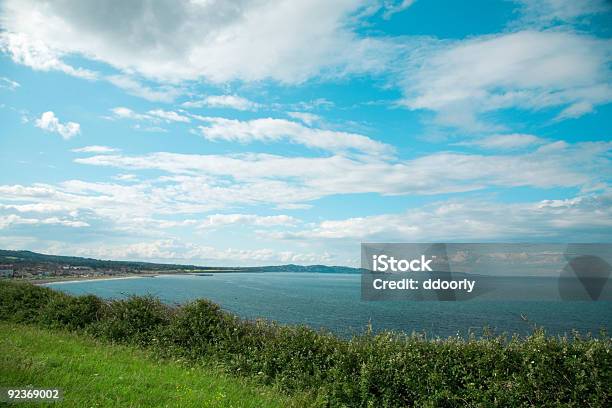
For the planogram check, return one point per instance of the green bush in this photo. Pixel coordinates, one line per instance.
(72, 312)
(23, 302)
(382, 370)
(138, 319)
(198, 328)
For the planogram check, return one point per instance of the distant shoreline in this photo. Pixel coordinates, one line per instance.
(94, 279)
(76, 279)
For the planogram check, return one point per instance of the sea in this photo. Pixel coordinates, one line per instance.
(332, 301)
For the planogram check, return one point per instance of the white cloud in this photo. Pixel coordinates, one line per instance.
(134, 87)
(575, 110)
(35, 207)
(529, 70)
(318, 103)
(191, 187)
(390, 7)
(269, 130)
(217, 40)
(168, 116)
(122, 112)
(548, 11)
(36, 54)
(10, 220)
(291, 206)
(151, 129)
(505, 142)
(306, 117)
(218, 220)
(95, 149)
(126, 177)
(176, 250)
(50, 123)
(9, 84)
(223, 101)
(154, 115)
(283, 180)
(480, 219)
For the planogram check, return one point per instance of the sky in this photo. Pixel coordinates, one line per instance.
(256, 132)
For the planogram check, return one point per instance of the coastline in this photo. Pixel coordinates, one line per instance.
(76, 279)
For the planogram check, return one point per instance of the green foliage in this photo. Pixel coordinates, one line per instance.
(22, 302)
(72, 312)
(137, 319)
(382, 370)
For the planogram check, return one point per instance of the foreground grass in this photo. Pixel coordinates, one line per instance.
(95, 374)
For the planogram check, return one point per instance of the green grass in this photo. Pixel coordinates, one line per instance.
(96, 374)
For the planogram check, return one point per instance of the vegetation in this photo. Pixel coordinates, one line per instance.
(387, 369)
(94, 374)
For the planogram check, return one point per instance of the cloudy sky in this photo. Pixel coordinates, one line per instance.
(253, 132)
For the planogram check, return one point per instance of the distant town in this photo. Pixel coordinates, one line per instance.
(33, 266)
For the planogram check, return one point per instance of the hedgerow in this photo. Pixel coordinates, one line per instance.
(369, 370)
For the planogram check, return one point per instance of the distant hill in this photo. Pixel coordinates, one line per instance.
(305, 268)
(23, 258)
(29, 257)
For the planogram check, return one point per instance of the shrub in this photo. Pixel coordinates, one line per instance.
(197, 328)
(383, 370)
(72, 312)
(23, 302)
(138, 319)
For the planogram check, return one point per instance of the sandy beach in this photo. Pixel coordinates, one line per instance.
(73, 279)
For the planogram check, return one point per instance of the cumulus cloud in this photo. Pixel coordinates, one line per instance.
(529, 70)
(216, 40)
(50, 123)
(223, 101)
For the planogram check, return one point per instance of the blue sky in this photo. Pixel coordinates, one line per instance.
(267, 132)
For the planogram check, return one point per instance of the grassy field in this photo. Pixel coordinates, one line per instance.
(95, 374)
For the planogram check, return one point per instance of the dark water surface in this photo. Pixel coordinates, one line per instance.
(333, 301)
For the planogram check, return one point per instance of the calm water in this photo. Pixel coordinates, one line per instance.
(333, 301)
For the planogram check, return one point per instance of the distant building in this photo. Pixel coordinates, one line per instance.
(6, 273)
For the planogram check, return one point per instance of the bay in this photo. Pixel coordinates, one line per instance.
(332, 301)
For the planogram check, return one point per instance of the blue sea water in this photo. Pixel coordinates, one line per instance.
(333, 301)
